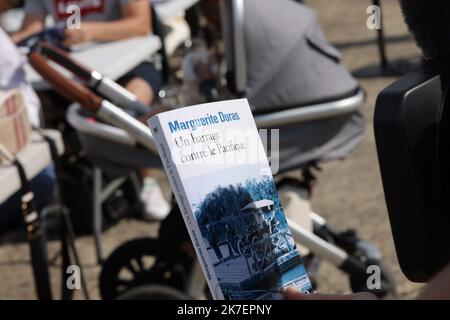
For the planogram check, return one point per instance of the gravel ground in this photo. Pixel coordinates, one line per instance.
(349, 193)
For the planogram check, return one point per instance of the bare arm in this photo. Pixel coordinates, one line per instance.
(31, 24)
(437, 289)
(136, 21)
(294, 294)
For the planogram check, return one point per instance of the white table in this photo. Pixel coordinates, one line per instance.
(112, 59)
(173, 8)
(34, 157)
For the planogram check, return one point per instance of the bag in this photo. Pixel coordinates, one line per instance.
(14, 124)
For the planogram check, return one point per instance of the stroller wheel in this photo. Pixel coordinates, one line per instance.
(153, 292)
(136, 263)
(364, 267)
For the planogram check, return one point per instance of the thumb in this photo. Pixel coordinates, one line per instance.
(293, 294)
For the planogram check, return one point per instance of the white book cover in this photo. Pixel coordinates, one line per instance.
(220, 175)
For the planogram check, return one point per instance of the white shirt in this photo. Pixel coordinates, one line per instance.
(12, 76)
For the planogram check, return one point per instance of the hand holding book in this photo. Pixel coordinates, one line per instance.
(229, 200)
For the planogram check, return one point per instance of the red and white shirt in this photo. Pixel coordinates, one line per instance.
(94, 10)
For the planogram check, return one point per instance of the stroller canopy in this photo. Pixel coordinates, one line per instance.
(289, 62)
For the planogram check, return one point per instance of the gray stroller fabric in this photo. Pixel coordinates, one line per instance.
(117, 159)
(290, 64)
(289, 61)
(319, 141)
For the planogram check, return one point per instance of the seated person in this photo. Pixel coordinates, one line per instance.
(100, 21)
(429, 23)
(109, 20)
(12, 76)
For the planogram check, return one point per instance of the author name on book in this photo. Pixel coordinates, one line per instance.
(208, 120)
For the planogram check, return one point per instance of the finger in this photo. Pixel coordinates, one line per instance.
(69, 33)
(294, 294)
(68, 42)
(72, 34)
(68, 37)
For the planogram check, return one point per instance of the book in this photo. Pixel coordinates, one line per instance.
(218, 169)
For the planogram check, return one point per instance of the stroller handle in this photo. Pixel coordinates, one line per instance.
(105, 110)
(93, 79)
(62, 58)
(65, 86)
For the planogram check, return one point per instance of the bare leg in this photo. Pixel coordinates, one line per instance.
(141, 89)
(156, 207)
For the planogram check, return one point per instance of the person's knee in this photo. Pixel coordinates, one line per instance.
(44, 186)
(141, 89)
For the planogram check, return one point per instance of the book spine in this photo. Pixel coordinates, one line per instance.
(185, 207)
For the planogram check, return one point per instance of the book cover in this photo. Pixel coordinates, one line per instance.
(218, 170)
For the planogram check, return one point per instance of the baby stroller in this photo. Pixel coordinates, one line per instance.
(293, 80)
(166, 267)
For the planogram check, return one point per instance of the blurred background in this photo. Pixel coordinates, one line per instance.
(348, 193)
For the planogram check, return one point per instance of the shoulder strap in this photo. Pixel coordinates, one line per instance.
(35, 236)
(67, 233)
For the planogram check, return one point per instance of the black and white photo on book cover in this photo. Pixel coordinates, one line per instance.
(248, 239)
(220, 175)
